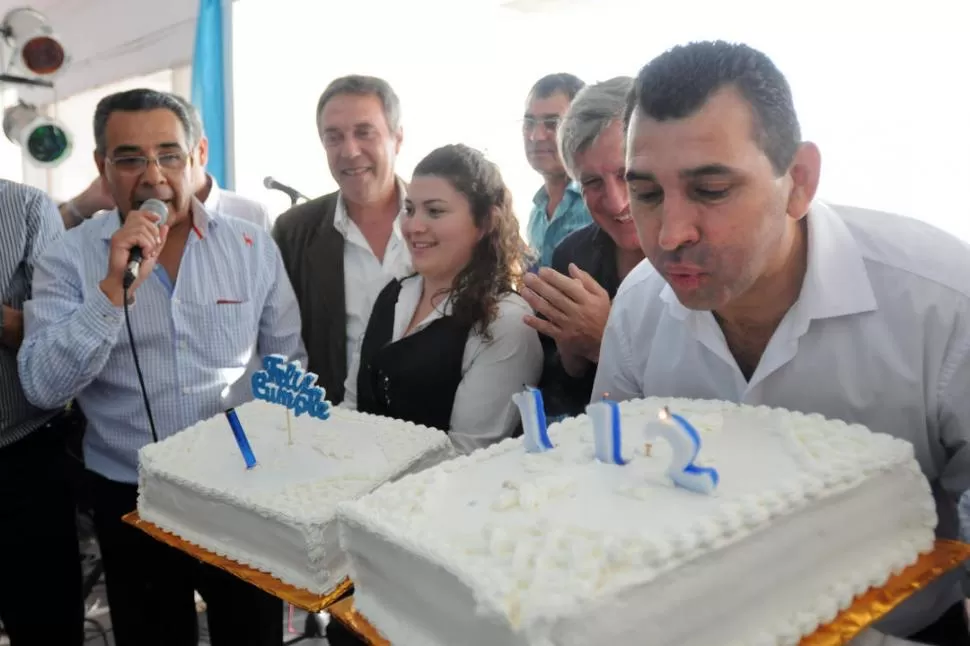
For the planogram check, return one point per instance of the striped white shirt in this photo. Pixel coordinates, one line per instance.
(29, 222)
(195, 339)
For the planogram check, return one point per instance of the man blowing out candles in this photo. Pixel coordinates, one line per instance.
(757, 293)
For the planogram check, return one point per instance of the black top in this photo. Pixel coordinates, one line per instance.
(592, 250)
(415, 378)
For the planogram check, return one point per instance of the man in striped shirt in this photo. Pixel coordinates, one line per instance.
(211, 293)
(40, 565)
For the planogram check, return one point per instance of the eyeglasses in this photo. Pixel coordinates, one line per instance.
(549, 123)
(138, 164)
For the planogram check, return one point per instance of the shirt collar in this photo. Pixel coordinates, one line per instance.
(202, 220)
(542, 195)
(341, 219)
(836, 281)
(407, 303)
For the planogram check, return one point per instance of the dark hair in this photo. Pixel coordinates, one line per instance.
(360, 85)
(679, 82)
(140, 100)
(550, 84)
(498, 261)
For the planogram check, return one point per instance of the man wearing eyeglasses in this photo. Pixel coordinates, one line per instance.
(211, 292)
(558, 207)
(96, 197)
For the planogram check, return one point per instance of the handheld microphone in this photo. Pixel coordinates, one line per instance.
(159, 208)
(272, 185)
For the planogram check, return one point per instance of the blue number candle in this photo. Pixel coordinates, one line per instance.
(685, 442)
(535, 432)
(241, 439)
(607, 435)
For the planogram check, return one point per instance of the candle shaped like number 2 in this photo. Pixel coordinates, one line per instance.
(685, 443)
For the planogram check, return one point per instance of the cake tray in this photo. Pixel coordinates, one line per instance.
(298, 597)
(866, 609)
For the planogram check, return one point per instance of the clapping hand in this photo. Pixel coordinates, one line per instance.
(574, 308)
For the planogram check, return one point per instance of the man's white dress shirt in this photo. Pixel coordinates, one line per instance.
(880, 335)
(364, 275)
(226, 202)
(492, 371)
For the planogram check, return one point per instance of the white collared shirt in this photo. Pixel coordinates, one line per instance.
(235, 205)
(492, 371)
(364, 275)
(880, 336)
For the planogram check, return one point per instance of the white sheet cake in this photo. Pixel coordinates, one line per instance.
(279, 516)
(516, 548)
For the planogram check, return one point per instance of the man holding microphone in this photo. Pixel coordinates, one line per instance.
(211, 293)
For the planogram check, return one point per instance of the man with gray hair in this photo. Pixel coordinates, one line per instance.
(341, 249)
(96, 197)
(572, 297)
(211, 294)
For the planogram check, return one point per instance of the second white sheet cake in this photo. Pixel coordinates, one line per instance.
(515, 548)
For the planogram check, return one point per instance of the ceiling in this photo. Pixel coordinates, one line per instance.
(108, 40)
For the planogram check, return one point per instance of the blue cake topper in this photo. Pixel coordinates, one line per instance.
(288, 384)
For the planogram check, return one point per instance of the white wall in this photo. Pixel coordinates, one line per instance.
(881, 92)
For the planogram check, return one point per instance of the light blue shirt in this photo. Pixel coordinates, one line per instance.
(196, 339)
(546, 233)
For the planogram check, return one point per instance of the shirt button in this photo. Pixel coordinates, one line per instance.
(175, 301)
(185, 390)
(184, 344)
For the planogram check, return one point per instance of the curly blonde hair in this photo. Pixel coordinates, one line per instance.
(500, 259)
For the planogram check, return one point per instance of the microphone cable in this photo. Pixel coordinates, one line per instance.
(158, 208)
(141, 378)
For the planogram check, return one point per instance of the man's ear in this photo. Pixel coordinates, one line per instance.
(203, 149)
(805, 172)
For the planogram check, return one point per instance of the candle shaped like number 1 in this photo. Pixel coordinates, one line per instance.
(685, 442)
(607, 435)
(535, 433)
(241, 439)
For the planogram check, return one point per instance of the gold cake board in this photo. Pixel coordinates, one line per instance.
(866, 609)
(291, 594)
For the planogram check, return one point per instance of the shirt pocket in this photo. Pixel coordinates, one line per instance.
(224, 333)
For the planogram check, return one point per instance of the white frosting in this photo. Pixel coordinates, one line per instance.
(508, 547)
(279, 516)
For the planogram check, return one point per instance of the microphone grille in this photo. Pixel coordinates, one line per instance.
(157, 207)
(268, 181)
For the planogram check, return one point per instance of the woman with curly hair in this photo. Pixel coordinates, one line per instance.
(447, 347)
